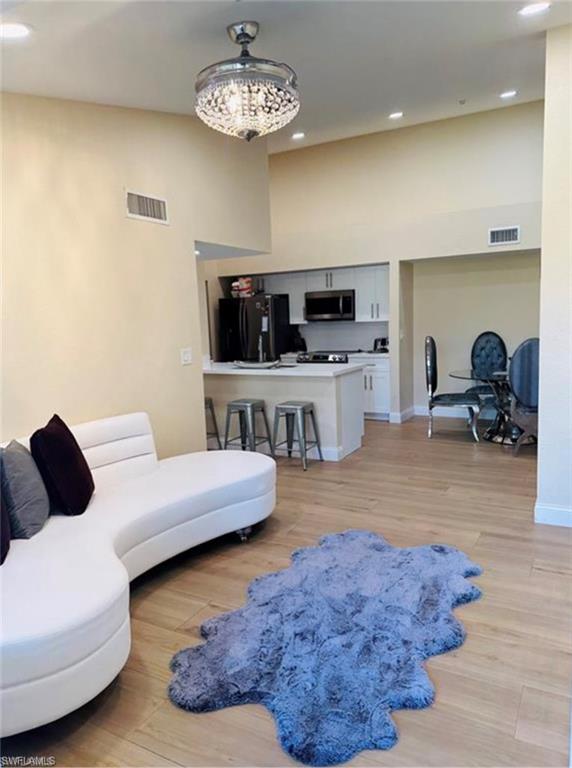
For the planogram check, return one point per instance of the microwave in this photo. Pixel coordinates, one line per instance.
(330, 305)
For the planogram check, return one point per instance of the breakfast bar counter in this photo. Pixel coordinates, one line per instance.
(335, 389)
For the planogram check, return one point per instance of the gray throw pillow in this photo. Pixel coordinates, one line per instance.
(23, 491)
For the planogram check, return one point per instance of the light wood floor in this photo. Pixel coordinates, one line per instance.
(502, 698)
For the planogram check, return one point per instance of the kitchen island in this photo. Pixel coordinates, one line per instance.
(335, 389)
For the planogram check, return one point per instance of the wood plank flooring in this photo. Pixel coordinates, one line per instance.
(503, 698)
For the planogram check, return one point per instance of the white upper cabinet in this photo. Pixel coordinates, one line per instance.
(365, 294)
(371, 285)
(293, 284)
(330, 280)
(274, 283)
(342, 279)
(372, 293)
(382, 292)
(295, 287)
(318, 280)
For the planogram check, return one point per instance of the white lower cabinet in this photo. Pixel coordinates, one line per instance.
(376, 386)
(380, 390)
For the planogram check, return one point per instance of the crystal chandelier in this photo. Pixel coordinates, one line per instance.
(246, 96)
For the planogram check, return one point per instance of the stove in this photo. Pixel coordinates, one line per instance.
(322, 357)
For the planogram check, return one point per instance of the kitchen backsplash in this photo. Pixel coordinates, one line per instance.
(340, 335)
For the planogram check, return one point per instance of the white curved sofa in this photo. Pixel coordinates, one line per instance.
(65, 592)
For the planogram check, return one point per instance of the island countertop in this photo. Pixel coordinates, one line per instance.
(300, 370)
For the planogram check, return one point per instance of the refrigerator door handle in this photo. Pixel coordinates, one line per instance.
(240, 326)
(271, 339)
(246, 337)
(241, 317)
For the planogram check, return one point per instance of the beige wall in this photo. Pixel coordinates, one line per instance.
(95, 305)
(456, 299)
(424, 192)
(554, 503)
(427, 191)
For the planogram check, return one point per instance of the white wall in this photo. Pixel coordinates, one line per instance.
(333, 336)
(554, 502)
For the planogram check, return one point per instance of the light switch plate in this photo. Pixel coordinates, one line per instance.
(186, 355)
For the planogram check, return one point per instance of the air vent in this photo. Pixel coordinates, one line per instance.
(504, 235)
(148, 208)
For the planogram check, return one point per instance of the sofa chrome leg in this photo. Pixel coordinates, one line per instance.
(244, 533)
(430, 426)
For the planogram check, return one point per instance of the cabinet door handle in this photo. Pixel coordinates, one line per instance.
(377, 306)
(370, 384)
(372, 311)
(365, 382)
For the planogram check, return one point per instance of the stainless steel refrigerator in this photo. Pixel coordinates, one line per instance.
(254, 327)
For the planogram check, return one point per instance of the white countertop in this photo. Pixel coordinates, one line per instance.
(368, 354)
(300, 370)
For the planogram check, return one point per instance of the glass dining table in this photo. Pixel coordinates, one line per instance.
(502, 430)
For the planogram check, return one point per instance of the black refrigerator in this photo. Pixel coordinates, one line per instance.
(253, 325)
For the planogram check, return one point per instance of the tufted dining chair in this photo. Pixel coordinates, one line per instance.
(523, 380)
(488, 355)
(446, 400)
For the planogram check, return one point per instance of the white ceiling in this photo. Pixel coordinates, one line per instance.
(357, 61)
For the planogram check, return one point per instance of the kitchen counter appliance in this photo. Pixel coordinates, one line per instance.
(322, 357)
(330, 305)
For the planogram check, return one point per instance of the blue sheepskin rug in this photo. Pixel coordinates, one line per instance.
(333, 643)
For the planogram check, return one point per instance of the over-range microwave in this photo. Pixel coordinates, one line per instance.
(330, 305)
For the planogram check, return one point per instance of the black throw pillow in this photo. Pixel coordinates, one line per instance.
(4, 531)
(63, 467)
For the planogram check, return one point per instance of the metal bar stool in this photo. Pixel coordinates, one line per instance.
(295, 412)
(247, 408)
(209, 408)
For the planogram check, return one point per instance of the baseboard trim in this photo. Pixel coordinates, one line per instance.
(329, 454)
(553, 514)
(376, 416)
(400, 416)
(446, 413)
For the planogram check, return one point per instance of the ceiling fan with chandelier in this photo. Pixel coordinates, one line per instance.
(246, 96)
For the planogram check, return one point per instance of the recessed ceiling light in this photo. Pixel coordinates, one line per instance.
(395, 115)
(197, 252)
(13, 31)
(508, 94)
(534, 8)
(298, 136)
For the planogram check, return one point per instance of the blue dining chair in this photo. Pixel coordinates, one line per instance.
(523, 375)
(450, 399)
(488, 355)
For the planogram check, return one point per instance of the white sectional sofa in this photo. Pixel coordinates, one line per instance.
(65, 592)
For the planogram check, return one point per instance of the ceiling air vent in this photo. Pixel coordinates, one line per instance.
(504, 235)
(148, 208)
